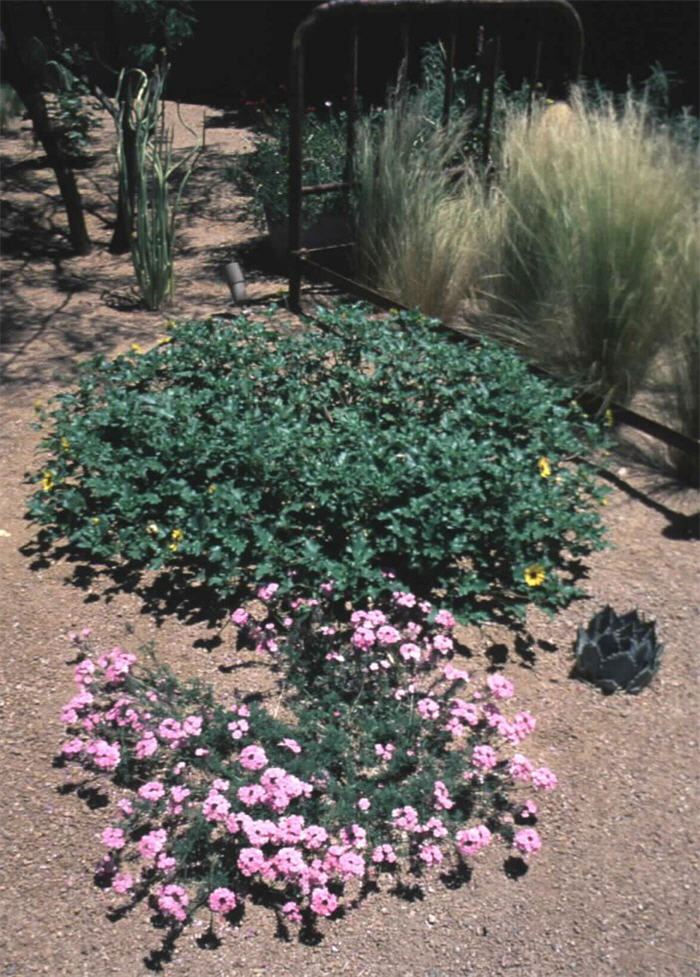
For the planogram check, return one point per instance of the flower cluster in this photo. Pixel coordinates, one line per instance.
(221, 798)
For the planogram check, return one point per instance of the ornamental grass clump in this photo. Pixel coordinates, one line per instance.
(422, 234)
(233, 453)
(591, 265)
(390, 761)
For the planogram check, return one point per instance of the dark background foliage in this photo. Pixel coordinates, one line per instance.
(239, 50)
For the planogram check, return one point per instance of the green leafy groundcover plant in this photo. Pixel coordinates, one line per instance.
(239, 454)
(393, 761)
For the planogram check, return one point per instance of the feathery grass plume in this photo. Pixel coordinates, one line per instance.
(418, 229)
(597, 207)
(153, 237)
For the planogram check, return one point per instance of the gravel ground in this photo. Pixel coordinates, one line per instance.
(613, 892)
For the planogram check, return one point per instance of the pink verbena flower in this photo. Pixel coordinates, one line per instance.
(453, 674)
(222, 900)
(146, 746)
(405, 818)
(470, 841)
(252, 758)
(384, 853)
(153, 790)
(105, 756)
(520, 768)
(113, 838)
(387, 635)
(315, 837)
(524, 723)
(384, 751)
(291, 911)
(430, 854)
(527, 841)
(499, 686)
(442, 796)
(153, 843)
(289, 862)
(544, 779)
(323, 902)
(404, 599)
(445, 619)
(442, 644)
(351, 865)
(240, 618)
(173, 901)
(291, 829)
(484, 757)
(84, 672)
(72, 747)
(290, 744)
(465, 712)
(122, 882)
(192, 725)
(267, 591)
(410, 651)
(215, 807)
(363, 638)
(428, 708)
(251, 794)
(250, 861)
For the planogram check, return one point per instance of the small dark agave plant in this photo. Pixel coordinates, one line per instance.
(617, 652)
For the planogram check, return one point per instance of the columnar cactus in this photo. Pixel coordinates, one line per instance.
(617, 652)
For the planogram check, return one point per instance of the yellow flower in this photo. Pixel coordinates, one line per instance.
(169, 325)
(95, 520)
(173, 547)
(152, 529)
(65, 444)
(211, 490)
(38, 406)
(535, 575)
(543, 465)
(165, 339)
(177, 535)
(136, 348)
(47, 482)
(609, 419)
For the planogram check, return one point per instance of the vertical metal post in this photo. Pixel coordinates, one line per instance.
(536, 69)
(493, 75)
(402, 80)
(296, 113)
(449, 71)
(353, 103)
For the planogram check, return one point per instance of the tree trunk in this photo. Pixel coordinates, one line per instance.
(23, 83)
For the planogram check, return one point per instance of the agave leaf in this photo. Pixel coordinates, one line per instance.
(608, 645)
(589, 660)
(619, 669)
(641, 680)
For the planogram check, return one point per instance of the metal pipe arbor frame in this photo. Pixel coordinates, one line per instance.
(489, 54)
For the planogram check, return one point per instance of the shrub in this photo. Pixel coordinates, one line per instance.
(264, 173)
(386, 764)
(236, 453)
(590, 263)
(11, 107)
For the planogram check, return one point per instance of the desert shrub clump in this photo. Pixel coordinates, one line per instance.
(236, 454)
(389, 760)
